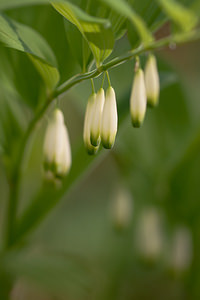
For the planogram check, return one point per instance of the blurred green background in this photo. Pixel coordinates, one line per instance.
(128, 225)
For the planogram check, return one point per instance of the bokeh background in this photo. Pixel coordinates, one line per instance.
(128, 225)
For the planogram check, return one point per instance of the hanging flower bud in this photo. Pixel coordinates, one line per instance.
(87, 125)
(57, 151)
(109, 119)
(138, 99)
(96, 118)
(152, 81)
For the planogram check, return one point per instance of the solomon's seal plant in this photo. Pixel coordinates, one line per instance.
(88, 39)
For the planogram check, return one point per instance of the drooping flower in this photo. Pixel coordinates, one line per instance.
(87, 125)
(57, 151)
(138, 100)
(109, 119)
(96, 117)
(152, 82)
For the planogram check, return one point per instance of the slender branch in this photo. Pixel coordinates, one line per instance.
(16, 178)
(168, 41)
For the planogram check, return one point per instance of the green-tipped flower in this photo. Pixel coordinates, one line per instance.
(87, 125)
(152, 82)
(96, 118)
(109, 119)
(57, 151)
(138, 99)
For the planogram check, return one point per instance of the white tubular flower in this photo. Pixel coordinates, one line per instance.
(109, 119)
(152, 81)
(87, 125)
(96, 118)
(138, 99)
(57, 151)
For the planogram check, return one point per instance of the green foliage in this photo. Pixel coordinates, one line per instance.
(126, 10)
(96, 31)
(25, 39)
(62, 41)
(183, 17)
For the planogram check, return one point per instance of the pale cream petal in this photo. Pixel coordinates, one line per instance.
(109, 119)
(87, 125)
(57, 150)
(138, 99)
(152, 81)
(96, 117)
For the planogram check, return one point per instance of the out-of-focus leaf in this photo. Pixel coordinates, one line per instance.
(79, 47)
(151, 13)
(13, 117)
(196, 7)
(7, 4)
(183, 17)
(56, 272)
(25, 39)
(124, 9)
(96, 31)
(118, 24)
(49, 196)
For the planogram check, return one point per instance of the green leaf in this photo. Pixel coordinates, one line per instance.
(125, 10)
(25, 39)
(118, 24)
(78, 46)
(7, 4)
(96, 31)
(153, 16)
(183, 17)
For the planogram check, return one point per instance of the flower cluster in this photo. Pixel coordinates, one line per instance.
(100, 125)
(101, 119)
(145, 90)
(57, 151)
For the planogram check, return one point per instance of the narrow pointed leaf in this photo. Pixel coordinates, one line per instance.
(183, 17)
(124, 9)
(96, 31)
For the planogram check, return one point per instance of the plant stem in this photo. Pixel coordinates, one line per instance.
(165, 42)
(16, 178)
